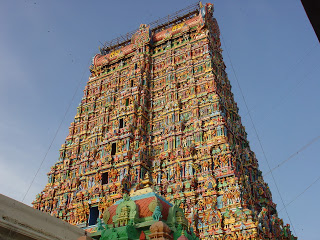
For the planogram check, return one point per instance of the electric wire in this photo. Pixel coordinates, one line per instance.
(301, 193)
(56, 133)
(257, 135)
(282, 100)
(293, 66)
(294, 154)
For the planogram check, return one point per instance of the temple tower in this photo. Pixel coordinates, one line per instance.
(159, 106)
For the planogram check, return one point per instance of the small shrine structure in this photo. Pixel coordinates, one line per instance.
(143, 214)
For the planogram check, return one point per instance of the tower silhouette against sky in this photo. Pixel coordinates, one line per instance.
(158, 105)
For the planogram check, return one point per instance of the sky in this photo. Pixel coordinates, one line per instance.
(269, 48)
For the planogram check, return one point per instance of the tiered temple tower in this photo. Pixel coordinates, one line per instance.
(160, 103)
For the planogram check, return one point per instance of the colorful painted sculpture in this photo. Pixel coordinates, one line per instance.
(161, 104)
(143, 215)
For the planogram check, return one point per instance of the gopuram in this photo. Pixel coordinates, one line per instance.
(158, 103)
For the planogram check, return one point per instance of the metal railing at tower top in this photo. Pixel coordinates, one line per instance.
(174, 18)
(155, 26)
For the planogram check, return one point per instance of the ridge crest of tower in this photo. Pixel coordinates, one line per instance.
(155, 26)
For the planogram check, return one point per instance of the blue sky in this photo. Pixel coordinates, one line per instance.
(46, 48)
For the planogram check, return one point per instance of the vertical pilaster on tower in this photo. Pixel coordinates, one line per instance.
(160, 103)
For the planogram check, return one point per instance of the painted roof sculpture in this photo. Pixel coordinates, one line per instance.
(143, 214)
